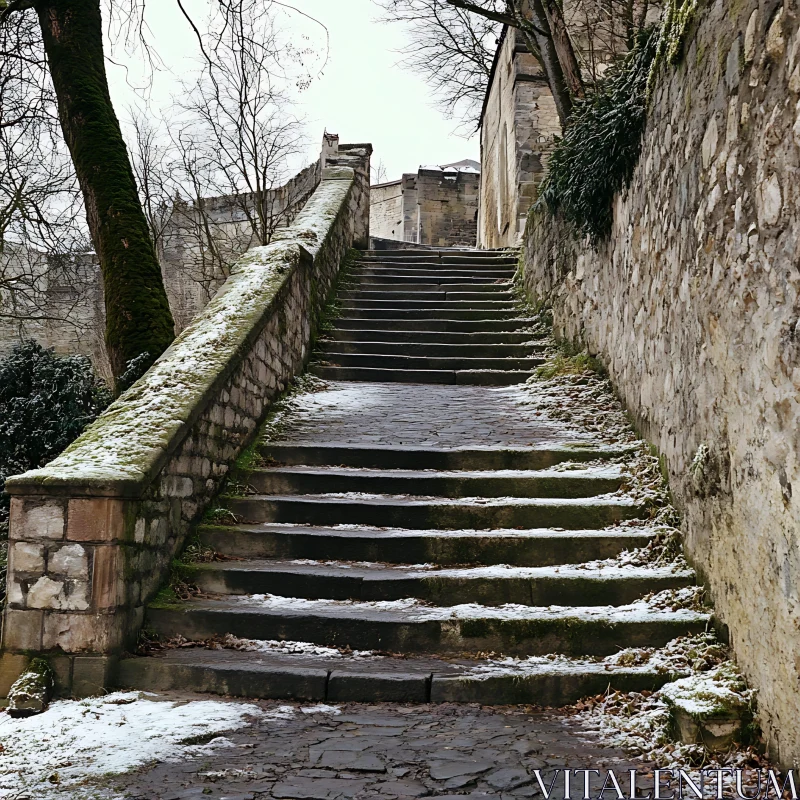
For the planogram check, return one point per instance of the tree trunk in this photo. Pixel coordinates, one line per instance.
(537, 31)
(564, 48)
(138, 319)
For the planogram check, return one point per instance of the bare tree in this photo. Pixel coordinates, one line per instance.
(240, 120)
(570, 40)
(41, 224)
(378, 173)
(452, 49)
(138, 319)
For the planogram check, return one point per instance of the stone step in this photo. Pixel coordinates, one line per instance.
(518, 547)
(447, 304)
(374, 278)
(508, 483)
(408, 362)
(337, 678)
(441, 377)
(423, 294)
(541, 456)
(418, 273)
(408, 627)
(434, 265)
(434, 513)
(458, 261)
(457, 312)
(403, 322)
(489, 586)
(428, 349)
(435, 338)
(432, 284)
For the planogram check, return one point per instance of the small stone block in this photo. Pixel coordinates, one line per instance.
(22, 630)
(36, 519)
(12, 665)
(95, 520)
(91, 675)
(386, 687)
(106, 587)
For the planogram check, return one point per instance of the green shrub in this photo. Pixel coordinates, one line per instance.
(45, 402)
(601, 143)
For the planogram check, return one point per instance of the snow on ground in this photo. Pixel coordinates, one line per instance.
(55, 752)
(681, 603)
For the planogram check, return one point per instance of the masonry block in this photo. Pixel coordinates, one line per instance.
(92, 675)
(95, 520)
(12, 665)
(22, 629)
(36, 518)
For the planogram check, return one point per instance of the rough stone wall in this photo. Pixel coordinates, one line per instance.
(436, 206)
(693, 306)
(386, 210)
(518, 126)
(93, 533)
(62, 307)
(195, 250)
(448, 208)
(198, 246)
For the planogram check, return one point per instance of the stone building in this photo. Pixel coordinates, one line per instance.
(437, 205)
(196, 243)
(518, 124)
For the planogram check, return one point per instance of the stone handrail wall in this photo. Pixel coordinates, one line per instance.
(693, 306)
(93, 533)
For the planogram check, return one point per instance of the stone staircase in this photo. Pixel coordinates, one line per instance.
(423, 515)
(431, 316)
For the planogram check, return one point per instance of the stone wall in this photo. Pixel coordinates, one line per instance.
(693, 306)
(200, 240)
(196, 244)
(438, 206)
(518, 126)
(93, 533)
(447, 203)
(386, 210)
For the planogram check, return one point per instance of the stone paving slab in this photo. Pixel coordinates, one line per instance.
(380, 751)
(423, 415)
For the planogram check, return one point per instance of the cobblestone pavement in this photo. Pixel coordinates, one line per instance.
(382, 751)
(422, 415)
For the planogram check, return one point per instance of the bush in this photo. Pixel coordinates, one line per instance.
(45, 403)
(601, 143)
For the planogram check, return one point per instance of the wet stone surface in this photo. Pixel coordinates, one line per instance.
(422, 415)
(381, 751)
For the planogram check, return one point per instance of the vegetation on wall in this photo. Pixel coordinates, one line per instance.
(45, 403)
(602, 142)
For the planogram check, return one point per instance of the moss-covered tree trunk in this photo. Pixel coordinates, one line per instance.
(138, 319)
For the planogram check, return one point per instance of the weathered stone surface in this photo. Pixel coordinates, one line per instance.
(98, 519)
(36, 520)
(278, 757)
(132, 486)
(692, 305)
(31, 691)
(70, 561)
(27, 557)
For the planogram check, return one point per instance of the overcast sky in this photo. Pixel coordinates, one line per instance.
(362, 95)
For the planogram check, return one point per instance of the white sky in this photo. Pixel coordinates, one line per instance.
(362, 95)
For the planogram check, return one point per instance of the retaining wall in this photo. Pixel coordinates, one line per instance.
(693, 306)
(93, 533)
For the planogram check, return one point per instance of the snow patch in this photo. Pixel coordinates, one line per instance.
(75, 740)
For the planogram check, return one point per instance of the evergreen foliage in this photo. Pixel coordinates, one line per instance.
(45, 403)
(601, 143)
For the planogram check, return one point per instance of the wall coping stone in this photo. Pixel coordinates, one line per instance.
(124, 450)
